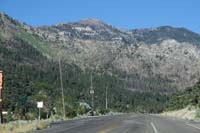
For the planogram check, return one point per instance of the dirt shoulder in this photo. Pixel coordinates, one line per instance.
(186, 113)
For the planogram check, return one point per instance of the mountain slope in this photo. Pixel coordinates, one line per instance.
(162, 59)
(182, 99)
(31, 74)
(159, 54)
(157, 35)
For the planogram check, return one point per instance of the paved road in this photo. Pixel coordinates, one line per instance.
(129, 123)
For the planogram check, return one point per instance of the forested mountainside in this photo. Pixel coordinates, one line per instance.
(135, 65)
(165, 54)
(188, 97)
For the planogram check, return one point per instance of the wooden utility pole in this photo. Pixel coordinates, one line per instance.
(1, 98)
(92, 92)
(106, 97)
(62, 91)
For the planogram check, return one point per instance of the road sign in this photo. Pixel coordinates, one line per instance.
(40, 104)
(91, 91)
(4, 112)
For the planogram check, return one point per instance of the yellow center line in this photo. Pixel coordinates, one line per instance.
(107, 129)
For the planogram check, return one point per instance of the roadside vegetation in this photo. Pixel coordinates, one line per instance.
(189, 98)
(24, 126)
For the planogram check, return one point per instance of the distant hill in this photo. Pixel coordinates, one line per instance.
(157, 35)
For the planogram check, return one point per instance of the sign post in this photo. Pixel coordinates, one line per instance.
(1, 99)
(39, 106)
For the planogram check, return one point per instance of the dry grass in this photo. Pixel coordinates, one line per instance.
(186, 113)
(23, 126)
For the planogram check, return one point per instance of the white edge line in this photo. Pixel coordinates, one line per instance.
(154, 128)
(193, 126)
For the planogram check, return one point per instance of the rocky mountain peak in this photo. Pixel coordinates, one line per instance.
(91, 21)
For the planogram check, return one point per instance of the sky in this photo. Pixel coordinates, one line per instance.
(125, 14)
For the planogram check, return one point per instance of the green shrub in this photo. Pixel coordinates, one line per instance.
(198, 113)
(103, 111)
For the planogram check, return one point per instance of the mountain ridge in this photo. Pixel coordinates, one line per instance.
(86, 24)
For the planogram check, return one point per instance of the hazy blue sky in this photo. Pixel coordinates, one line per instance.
(126, 14)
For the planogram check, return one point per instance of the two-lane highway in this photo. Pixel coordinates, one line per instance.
(129, 123)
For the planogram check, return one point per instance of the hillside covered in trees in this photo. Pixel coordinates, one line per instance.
(182, 99)
(30, 77)
(139, 75)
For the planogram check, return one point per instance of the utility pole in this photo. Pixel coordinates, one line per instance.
(61, 85)
(1, 99)
(106, 97)
(125, 82)
(92, 92)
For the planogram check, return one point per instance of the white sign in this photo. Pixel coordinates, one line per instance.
(40, 104)
(91, 91)
(4, 113)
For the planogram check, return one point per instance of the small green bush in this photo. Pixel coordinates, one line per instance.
(198, 113)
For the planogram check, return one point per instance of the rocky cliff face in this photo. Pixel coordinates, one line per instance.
(162, 59)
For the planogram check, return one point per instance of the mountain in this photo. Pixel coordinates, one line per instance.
(136, 65)
(92, 29)
(28, 58)
(162, 59)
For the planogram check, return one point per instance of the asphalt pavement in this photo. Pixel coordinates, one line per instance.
(127, 123)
